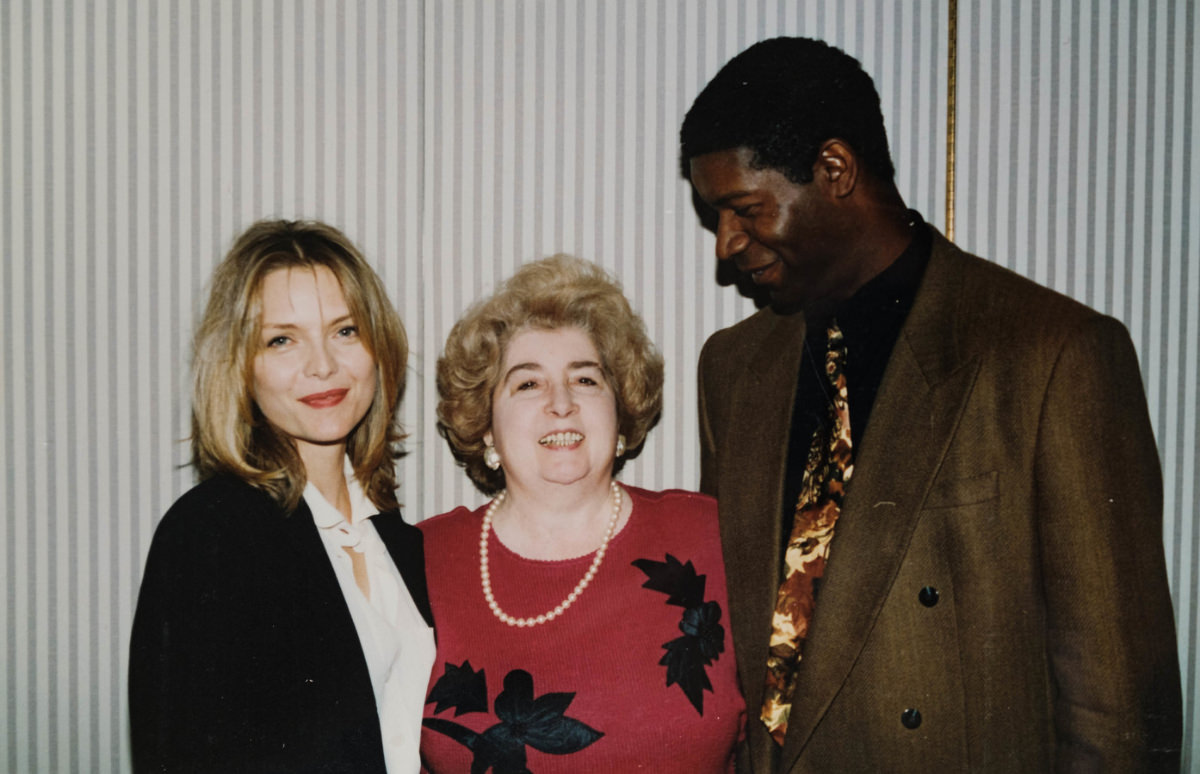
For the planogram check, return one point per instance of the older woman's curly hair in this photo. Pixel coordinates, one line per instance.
(556, 292)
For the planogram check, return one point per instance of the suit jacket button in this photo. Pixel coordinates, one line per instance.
(911, 718)
(928, 596)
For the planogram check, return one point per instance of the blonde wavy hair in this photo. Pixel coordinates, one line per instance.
(556, 292)
(229, 432)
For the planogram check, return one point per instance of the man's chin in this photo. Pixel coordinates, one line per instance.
(786, 300)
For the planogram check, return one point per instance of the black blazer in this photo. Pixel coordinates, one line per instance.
(244, 656)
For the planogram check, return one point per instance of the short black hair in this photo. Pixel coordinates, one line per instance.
(783, 98)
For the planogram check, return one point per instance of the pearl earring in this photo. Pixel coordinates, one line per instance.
(620, 445)
(491, 458)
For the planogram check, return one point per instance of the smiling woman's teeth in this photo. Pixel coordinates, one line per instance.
(561, 439)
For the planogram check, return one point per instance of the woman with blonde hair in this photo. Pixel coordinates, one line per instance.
(283, 623)
(579, 621)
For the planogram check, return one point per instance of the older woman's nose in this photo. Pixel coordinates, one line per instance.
(560, 400)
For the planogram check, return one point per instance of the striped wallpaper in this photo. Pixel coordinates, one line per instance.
(454, 141)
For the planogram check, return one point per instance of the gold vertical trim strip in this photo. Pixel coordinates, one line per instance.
(951, 88)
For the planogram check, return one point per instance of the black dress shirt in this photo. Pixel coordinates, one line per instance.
(870, 322)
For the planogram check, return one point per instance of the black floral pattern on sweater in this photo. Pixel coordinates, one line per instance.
(703, 638)
(540, 723)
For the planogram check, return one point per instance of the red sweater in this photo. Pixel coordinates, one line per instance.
(639, 673)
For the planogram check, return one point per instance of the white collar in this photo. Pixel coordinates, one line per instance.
(326, 516)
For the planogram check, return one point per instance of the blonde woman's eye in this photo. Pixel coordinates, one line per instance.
(277, 341)
(348, 330)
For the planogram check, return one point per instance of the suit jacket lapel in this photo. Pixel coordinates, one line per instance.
(924, 390)
(331, 626)
(308, 551)
(751, 486)
(405, 544)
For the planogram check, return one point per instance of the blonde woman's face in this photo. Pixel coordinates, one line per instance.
(313, 376)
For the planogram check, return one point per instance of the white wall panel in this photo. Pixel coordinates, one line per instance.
(454, 141)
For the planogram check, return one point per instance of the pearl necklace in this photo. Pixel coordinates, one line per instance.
(486, 578)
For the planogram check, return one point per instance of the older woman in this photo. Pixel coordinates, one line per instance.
(283, 624)
(579, 621)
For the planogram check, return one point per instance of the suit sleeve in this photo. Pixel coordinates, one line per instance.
(1110, 629)
(167, 708)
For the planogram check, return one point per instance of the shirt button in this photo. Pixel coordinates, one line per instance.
(928, 596)
(911, 718)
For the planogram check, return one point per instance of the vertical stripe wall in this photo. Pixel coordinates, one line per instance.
(1077, 150)
(454, 141)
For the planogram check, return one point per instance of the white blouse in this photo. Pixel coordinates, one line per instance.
(396, 641)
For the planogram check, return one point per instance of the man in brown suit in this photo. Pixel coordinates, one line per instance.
(995, 595)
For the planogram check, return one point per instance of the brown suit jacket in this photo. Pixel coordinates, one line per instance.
(1009, 471)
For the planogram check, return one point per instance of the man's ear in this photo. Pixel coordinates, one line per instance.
(837, 168)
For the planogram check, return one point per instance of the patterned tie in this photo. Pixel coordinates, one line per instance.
(826, 474)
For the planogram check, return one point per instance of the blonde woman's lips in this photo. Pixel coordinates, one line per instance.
(327, 399)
